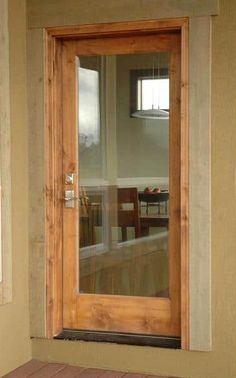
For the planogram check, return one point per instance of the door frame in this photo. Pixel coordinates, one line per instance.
(53, 157)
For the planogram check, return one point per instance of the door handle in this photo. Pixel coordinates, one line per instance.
(70, 199)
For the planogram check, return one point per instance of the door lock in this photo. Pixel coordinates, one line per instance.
(69, 178)
(70, 199)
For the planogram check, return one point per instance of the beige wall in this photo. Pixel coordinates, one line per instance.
(220, 362)
(142, 145)
(15, 346)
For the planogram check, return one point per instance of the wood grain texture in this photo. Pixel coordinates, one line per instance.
(5, 162)
(70, 164)
(26, 370)
(136, 375)
(175, 190)
(93, 373)
(124, 314)
(112, 374)
(122, 272)
(39, 369)
(116, 29)
(69, 372)
(48, 371)
(53, 188)
(74, 12)
(119, 313)
(127, 44)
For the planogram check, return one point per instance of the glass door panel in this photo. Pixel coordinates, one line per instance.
(123, 131)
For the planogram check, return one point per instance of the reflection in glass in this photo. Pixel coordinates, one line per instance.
(89, 118)
(124, 170)
(153, 93)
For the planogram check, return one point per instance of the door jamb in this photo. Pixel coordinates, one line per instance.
(53, 157)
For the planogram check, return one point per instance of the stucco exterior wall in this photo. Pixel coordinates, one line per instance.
(220, 361)
(15, 348)
(14, 317)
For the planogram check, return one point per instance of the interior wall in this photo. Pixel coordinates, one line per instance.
(142, 145)
(220, 362)
(15, 348)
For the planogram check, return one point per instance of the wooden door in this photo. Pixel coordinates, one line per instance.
(105, 306)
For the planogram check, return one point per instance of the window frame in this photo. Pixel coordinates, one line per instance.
(136, 75)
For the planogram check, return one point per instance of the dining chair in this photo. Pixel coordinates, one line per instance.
(128, 211)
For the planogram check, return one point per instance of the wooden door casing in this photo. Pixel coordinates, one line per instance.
(54, 40)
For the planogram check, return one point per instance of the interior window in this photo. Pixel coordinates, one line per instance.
(153, 92)
(149, 89)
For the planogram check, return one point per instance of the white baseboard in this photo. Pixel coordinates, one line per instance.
(143, 181)
(140, 182)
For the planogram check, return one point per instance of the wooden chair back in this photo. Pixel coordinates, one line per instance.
(128, 211)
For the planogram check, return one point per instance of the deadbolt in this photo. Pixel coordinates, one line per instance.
(69, 178)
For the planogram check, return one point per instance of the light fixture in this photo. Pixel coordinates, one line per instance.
(153, 113)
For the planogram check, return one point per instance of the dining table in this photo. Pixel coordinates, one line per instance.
(148, 221)
(154, 199)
